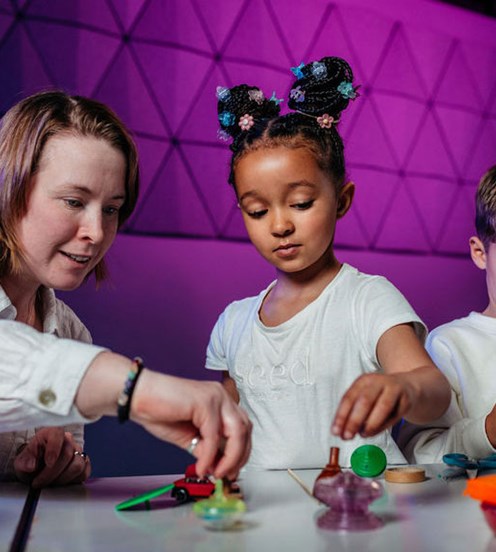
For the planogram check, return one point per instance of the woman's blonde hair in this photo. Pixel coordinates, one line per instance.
(24, 132)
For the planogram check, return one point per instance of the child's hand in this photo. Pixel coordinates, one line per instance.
(49, 459)
(491, 426)
(372, 403)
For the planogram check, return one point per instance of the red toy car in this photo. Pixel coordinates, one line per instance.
(191, 487)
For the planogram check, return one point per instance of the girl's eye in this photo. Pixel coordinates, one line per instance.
(304, 205)
(257, 214)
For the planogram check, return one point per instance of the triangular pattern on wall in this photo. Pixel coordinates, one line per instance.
(417, 139)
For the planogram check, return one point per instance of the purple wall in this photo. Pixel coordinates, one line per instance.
(417, 141)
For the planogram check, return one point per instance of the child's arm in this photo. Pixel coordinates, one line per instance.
(230, 386)
(411, 387)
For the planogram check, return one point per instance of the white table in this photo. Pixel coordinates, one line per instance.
(428, 516)
(12, 498)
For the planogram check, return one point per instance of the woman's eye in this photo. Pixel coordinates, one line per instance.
(257, 214)
(111, 210)
(73, 203)
(304, 205)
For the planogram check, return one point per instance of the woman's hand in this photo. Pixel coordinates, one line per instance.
(177, 410)
(52, 457)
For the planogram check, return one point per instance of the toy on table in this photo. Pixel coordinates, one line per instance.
(348, 497)
(220, 512)
(189, 487)
(368, 461)
(484, 489)
(333, 467)
(461, 465)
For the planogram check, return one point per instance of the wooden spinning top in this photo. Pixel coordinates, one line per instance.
(333, 467)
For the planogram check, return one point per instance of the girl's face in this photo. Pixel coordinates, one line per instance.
(289, 206)
(72, 212)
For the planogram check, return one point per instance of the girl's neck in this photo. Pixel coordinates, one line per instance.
(25, 298)
(295, 291)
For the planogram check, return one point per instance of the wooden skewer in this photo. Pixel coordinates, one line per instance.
(302, 484)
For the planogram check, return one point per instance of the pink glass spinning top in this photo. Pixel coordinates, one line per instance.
(348, 497)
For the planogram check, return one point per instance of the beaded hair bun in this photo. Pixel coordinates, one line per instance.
(322, 88)
(240, 107)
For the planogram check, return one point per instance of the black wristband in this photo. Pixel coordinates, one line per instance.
(124, 400)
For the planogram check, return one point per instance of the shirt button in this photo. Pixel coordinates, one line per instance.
(47, 397)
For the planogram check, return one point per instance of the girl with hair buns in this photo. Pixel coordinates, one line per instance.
(325, 352)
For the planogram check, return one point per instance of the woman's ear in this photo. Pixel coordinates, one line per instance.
(345, 198)
(478, 252)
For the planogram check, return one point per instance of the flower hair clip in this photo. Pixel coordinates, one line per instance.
(274, 99)
(297, 94)
(347, 90)
(222, 93)
(319, 70)
(325, 120)
(298, 71)
(256, 96)
(227, 118)
(246, 122)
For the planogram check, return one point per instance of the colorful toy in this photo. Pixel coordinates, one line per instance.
(220, 512)
(368, 461)
(484, 489)
(333, 467)
(348, 497)
(189, 487)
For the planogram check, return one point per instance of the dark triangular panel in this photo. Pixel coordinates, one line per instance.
(173, 205)
(403, 228)
(76, 61)
(374, 190)
(459, 223)
(175, 77)
(429, 153)
(366, 142)
(458, 84)
(397, 71)
(124, 88)
(90, 13)
(127, 12)
(171, 22)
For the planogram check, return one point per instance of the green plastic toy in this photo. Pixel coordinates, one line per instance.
(368, 461)
(219, 511)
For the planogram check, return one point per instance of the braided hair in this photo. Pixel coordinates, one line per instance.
(321, 91)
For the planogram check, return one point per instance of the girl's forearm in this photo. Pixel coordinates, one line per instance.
(431, 392)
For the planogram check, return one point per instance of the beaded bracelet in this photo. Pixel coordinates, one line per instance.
(124, 400)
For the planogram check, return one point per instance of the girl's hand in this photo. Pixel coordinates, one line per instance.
(411, 387)
(373, 403)
(50, 458)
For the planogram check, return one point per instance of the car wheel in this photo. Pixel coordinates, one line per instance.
(181, 495)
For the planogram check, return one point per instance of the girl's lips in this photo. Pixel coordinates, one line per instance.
(285, 251)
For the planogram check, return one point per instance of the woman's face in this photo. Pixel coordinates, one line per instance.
(72, 213)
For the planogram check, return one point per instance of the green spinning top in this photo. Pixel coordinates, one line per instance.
(368, 461)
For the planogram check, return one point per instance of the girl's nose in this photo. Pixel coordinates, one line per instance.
(282, 226)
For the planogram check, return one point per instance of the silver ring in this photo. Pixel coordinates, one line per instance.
(193, 444)
(83, 455)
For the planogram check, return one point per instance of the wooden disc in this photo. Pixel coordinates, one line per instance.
(404, 475)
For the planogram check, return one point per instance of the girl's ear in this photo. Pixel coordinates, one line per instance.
(345, 198)
(478, 252)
